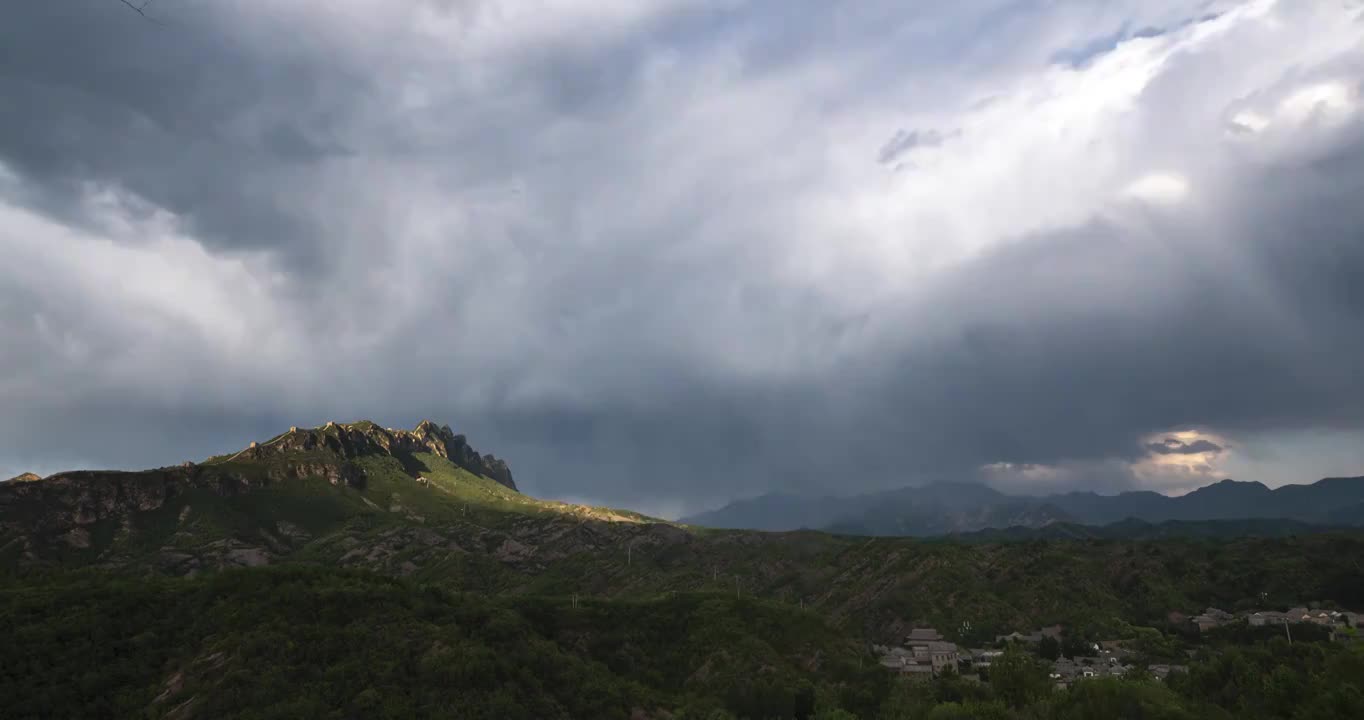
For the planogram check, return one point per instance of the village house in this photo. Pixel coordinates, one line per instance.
(925, 653)
(1065, 671)
(1266, 617)
(928, 646)
(898, 658)
(1325, 618)
(1211, 618)
(941, 656)
(1298, 615)
(1160, 672)
(1113, 657)
(982, 658)
(902, 660)
(1033, 638)
(922, 635)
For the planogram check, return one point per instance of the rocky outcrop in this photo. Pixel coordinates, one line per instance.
(366, 438)
(342, 473)
(78, 511)
(66, 501)
(497, 469)
(62, 503)
(25, 477)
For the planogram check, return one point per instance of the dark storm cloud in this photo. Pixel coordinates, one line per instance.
(595, 258)
(191, 116)
(1070, 347)
(1139, 336)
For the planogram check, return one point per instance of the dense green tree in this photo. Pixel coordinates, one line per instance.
(970, 711)
(1018, 678)
(299, 642)
(908, 699)
(1113, 699)
(1075, 643)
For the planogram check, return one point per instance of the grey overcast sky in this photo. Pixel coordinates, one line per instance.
(664, 254)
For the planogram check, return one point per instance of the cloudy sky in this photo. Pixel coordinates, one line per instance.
(661, 254)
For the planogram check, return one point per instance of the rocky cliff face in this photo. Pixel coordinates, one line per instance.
(367, 438)
(70, 501)
(69, 504)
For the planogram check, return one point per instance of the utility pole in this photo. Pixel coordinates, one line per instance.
(736, 586)
(1287, 632)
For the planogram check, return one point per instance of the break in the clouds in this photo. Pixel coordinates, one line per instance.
(664, 254)
(1175, 446)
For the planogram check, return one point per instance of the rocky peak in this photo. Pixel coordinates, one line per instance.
(25, 477)
(351, 440)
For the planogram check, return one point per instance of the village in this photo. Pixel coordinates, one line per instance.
(926, 653)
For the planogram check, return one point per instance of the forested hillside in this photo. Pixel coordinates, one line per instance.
(358, 572)
(316, 643)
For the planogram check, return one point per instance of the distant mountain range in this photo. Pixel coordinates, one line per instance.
(1133, 529)
(948, 508)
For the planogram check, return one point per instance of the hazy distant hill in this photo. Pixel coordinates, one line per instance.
(943, 508)
(782, 512)
(1133, 529)
(1318, 502)
(928, 510)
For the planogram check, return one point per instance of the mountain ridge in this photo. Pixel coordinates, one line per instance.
(418, 515)
(351, 440)
(1141, 530)
(944, 508)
